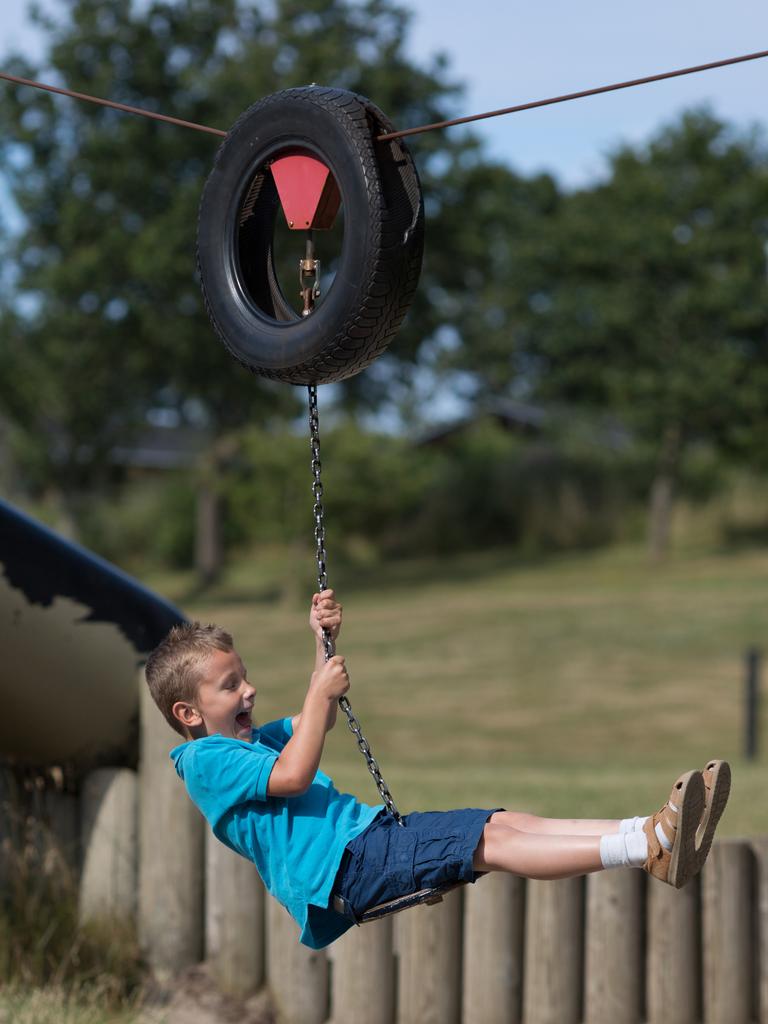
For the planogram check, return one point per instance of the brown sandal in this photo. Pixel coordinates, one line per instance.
(679, 819)
(717, 785)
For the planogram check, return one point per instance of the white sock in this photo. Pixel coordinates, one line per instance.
(631, 825)
(661, 836)
(624, 850)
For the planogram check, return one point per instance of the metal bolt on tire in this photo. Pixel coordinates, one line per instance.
(380, 259)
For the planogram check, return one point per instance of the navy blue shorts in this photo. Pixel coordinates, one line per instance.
(388, 860)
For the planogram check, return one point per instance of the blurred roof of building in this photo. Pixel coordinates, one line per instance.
(518, 417)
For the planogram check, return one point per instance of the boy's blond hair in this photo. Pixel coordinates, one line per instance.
(173, 668)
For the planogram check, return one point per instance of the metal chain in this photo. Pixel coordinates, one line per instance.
(322, 584)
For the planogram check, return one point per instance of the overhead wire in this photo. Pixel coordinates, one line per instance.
(571, 96)
(142, 111)
(419, 129)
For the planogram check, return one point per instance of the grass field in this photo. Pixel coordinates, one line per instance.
(580, 685)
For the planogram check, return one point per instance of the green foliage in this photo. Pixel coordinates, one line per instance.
(267, 492)
(385, 497)
(373, 487)
(492, 489)
(151, 522)
(642, 296)
(102, 315)
(658, 309)
(495, 232)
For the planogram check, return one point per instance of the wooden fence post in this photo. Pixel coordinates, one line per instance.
(494, 918)
(363, 975)
(49, 817)
(760, 847)
(297, 976)
(727, 932)
(234, 920)
(613, 967)
(429, 962)
(554, 952)
(171, 850)
(109, 841)
(61, 815)
(673, 977)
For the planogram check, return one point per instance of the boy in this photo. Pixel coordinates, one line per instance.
(262, 793)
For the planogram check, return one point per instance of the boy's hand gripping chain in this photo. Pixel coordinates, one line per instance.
(322, 584)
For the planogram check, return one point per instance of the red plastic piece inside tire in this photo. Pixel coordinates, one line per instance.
(308, 192)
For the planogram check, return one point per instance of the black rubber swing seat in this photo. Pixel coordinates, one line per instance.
(414, 899)
(381, 252)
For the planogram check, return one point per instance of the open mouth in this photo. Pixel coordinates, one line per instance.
(243, 720)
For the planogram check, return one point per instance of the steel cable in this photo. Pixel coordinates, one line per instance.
(142, 111)
(570, 96)
(419, 129)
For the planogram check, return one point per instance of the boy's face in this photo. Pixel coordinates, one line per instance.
(224, 700)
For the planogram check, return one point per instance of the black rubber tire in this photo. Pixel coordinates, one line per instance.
(381, 253)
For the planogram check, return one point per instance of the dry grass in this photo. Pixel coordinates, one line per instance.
(578, 686)
(53, 970)
(55, 1005)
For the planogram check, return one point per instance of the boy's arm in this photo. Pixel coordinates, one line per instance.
(325, 613)
(319, 663)
(295, 768)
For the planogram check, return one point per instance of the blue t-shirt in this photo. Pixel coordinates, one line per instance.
(295, 842)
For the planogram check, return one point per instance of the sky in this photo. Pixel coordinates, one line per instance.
(511, 52)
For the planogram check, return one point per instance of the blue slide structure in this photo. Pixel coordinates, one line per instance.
(74, 631)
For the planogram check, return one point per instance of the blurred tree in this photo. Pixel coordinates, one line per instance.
(101, 316)
(486, 229)
(646, 295)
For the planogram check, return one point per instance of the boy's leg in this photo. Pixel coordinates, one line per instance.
(665, 846)
(532, 823)
(717, 779)
(534, 855)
